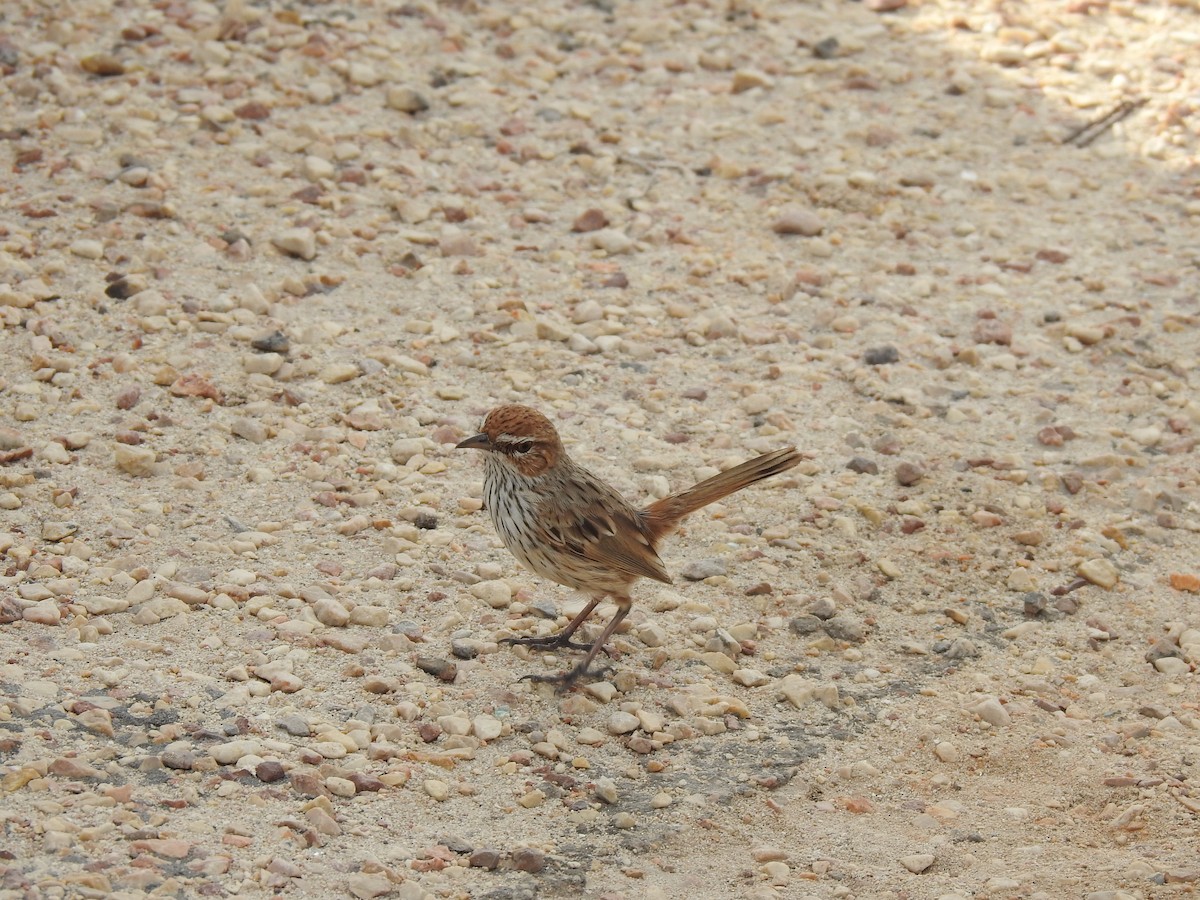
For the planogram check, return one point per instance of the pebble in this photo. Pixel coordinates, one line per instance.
(881, 356)
(87, 248)
(528, 859)
(496, 594)
(909, 473)
(917, 862)
(486, 727)
(798, 221)
(1099, 572)
(622, 723)
(993, 712)
(299, 242)
(946, 751)
(406, 99)
(436, 789)
(750, 677)
(484, 858)
(699, 569)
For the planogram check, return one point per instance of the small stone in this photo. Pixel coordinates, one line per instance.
(532, 799)
(269, 771)
(329, 612)
(87, 249)
(778, 873)
(917, 862)
(612, 241)
(486, 727)
(527, 859)
(798, 220)
(442, 669)
(749, 79)
(363, 781)
(484, 858)
(993, 712)
(273, 342)
(1099, 572)
(699, 569)
(103, 64)
(881, 356)
(300, 242)
(496, 594)
(606, 790)
(750, 677)
(249, 429)
(137, 461)
(367, 886)
(992, 331)
(863, 466)
(945, 751)
(589, 220)
(436, 789)
(315, 168)
(406, 99)
(908, 473)
(1185, 581)
(230, 752)
(622, 723)
(183, 760)
(1172, 665)
(340, 373)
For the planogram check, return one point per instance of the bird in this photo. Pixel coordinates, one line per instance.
(570, 526)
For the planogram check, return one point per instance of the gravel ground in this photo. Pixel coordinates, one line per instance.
(262, 265)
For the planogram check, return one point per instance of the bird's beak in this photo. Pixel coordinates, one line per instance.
(475, 442)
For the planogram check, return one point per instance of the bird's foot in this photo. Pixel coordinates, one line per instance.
(551, 642)
(564, 680)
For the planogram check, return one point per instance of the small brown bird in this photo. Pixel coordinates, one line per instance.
(568, 525)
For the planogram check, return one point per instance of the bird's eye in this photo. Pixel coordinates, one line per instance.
(523, 447)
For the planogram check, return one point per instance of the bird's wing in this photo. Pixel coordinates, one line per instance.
(601, 527)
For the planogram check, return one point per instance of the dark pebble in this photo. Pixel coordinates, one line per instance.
(763, 587)
(825, 49)
(805, 625)
(908, 473)
(862, 466)
(590, 220)
(307, 784)
(275, 342)
(269, 771)
(529, 860)
(426, 521)
(179, 759)
(294, 725)
(881, 356)
(364, 782)
(1161, 649)
(1067, 605)
(1034, 604)
(485, 858)
(463, 650)
(842, 629)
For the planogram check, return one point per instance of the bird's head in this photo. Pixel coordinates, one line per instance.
(520, 437)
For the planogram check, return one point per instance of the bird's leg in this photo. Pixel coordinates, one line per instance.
(563, 638)
(565, 679)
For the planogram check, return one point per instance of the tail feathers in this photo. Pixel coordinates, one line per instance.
(663, 515)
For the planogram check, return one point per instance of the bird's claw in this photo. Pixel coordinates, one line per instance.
(551, 642)
(564, 680)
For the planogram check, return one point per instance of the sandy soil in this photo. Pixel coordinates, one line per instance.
(262, 265)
